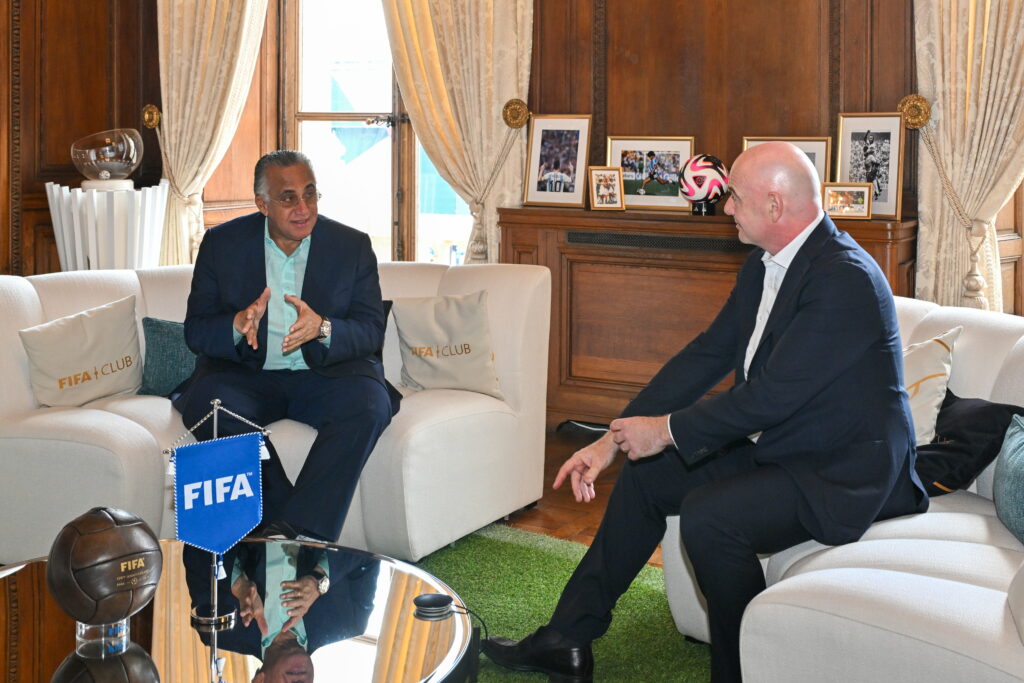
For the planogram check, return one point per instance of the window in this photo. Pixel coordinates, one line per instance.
(343, 109)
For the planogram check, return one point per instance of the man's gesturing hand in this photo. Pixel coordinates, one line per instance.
(306, 328)
(250, 606)
(584, 466)
(641, 437)
(247, 321)
(297, 597)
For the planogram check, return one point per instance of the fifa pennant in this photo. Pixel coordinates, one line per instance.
(218, 497)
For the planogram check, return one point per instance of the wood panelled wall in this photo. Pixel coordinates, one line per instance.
(717, 71)
(721, 70)
(68, 68)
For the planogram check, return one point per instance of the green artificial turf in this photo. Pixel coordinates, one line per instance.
(512, 579)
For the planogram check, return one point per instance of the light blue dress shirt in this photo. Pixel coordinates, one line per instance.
(285, 273)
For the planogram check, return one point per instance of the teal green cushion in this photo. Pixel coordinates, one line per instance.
(168, 361)
(1008, 488)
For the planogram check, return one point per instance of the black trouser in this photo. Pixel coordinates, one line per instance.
(730, 510)
(349, 414)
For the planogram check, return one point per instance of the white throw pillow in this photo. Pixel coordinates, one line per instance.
(446, 343)
(85, 356)
(926, 367)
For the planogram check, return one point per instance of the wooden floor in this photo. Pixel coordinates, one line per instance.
(557, 513)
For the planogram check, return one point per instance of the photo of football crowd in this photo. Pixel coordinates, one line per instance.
(650, 172)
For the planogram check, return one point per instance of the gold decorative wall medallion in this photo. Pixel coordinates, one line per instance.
(150, 116)
(515, 113)
(916, 111)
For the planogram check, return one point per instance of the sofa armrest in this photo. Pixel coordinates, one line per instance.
(857, 624)
(56, 463)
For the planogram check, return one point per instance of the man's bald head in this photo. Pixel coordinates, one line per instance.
(784, 167)
(775, 194)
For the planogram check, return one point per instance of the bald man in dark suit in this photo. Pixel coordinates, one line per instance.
(813, 441)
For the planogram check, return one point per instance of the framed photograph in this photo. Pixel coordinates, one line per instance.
(870, 150)
(847, 200)
(556, 161)
(650, 170)
(818, 150)
(606, 187)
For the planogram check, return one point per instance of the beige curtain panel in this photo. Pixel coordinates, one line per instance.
(177, 650)
(970, 66)
(208, 52)
(457, 62)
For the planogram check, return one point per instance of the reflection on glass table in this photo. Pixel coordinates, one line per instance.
(314, 608)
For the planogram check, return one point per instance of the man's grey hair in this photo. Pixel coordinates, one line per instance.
(281, 157)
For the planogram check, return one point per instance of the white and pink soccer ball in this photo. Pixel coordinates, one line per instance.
(703, 178)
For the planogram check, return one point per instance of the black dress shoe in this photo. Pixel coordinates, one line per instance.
(544, 651)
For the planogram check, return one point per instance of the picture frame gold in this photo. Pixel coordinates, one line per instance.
(606, 188)
(870, 149)
(651, 159)
(555, 161)
(847, 201)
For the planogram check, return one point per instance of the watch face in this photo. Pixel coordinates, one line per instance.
(323, 584)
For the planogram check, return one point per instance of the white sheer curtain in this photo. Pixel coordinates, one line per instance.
(457, 63)
(970, 66)
(208, 52)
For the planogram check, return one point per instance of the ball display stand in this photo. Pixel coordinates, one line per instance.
(207, 620)
(102, 568)
(99, 641)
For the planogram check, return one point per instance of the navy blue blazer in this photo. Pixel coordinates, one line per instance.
(341, 282)
(825, 387)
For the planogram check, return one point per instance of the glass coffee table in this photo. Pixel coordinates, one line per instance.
(364, 628)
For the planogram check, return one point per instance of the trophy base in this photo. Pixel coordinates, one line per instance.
(108, 185)
(203, 622)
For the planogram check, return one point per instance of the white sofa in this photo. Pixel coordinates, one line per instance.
(450, 462)
(936, 597)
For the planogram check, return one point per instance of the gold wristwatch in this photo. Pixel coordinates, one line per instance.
(323, 582)
(325, 328)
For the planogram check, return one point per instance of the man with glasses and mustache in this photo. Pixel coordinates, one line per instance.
(286, 318)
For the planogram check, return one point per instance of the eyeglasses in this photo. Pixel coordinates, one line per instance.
(290, 201)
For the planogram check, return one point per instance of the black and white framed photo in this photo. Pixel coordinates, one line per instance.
(818, 150)
(556, 161)
(606, 188)
(847, 200)
(870, 150)
(650, 170)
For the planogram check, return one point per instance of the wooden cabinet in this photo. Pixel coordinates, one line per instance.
(630, 289)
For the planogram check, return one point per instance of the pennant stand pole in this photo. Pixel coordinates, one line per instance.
(215, 623)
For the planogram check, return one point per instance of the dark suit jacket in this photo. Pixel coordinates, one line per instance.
(825, 386)
(341, 282)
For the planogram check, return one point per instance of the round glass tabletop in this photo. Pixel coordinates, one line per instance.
(364, 626)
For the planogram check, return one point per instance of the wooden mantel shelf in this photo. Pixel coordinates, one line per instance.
(631, 288)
